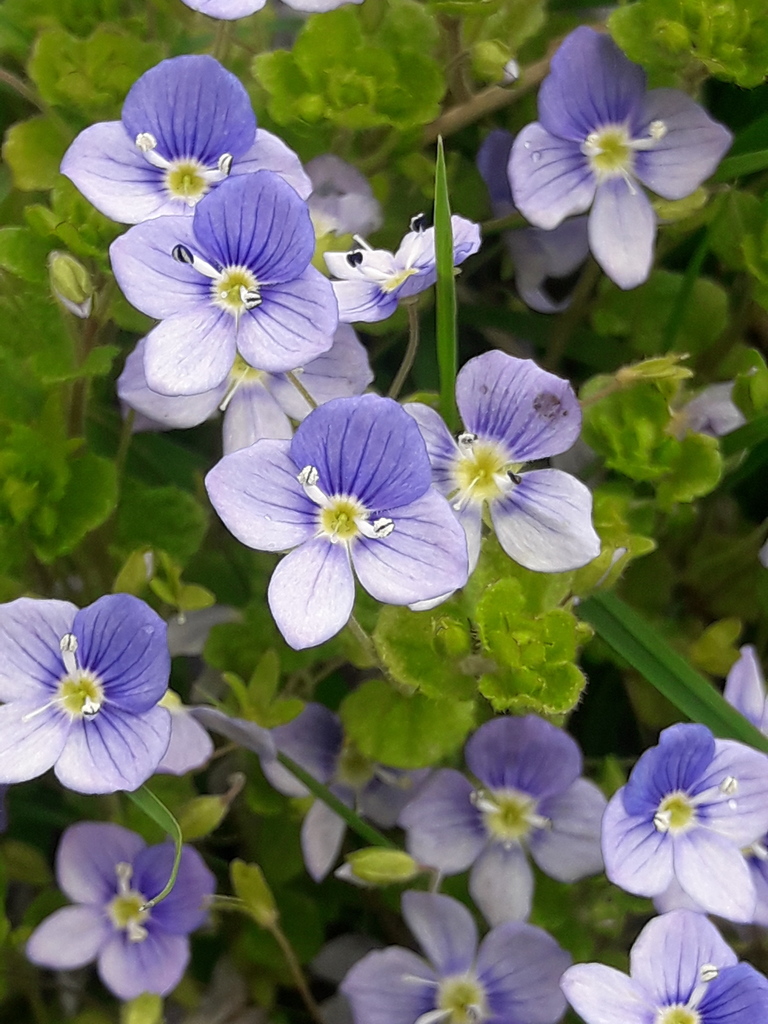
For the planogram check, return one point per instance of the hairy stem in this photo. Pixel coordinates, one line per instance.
(412, 305)
(291, 375)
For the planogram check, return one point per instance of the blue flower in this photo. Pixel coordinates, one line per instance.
(600, 135)
(109, 874)
(187, 125)
(681, 972)
(341, 200)
(689, 808)
(529, 797)
(511, 978)
(230, 10)
(373, 281)
(513, 413)
(236, 277)
(81, 692)
(353, 488)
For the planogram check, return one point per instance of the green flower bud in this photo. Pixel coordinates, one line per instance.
(250, 885)
(452, 638)
(376, 866)
(71, 284)
(489, 59)
(145, 1009)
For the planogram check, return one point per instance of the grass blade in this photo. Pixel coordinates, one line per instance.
(155, 809)
(447, 346)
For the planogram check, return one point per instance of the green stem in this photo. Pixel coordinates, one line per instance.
(365, 831)
(291, 375)
(23, 90)
(126, 434)
(221, 40)
(677, 313)
(412, 305)
(296, 973)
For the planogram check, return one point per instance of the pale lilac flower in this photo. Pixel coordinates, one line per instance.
(235, 278)
(712, 411)
(691, 805)
(315, 740)
(513, 413)
(230, 10)
(190, 746)
(353, 488)
(256, 403)
(110, 874)
(763, 555)
(528, 797)
(681, 972)
(545, 262)
(341, 200)
(82, 691)
(511, 978)
(373, 281)
(187, 125)
(599, 136)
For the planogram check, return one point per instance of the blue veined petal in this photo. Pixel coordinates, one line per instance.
(190, 353)
(30, 656)
(569, 849)
(363, 301)
(603, 995)
(185, 907)
(712, 871)
(679, 762)
(70, 938)
(322, 833)
(622, 230)
(443, 928)
(257, 221)
(252, 414)
(443, 827)
(637, 856)
(226, 10)
(550, 177)
(128, 969)
(86, 859)
(313, 740)
(501, 883)
(30, 739)
(193, 107)
(745, 688)
(270, 153)
(738, 995)
(390, 986)
(526, 754)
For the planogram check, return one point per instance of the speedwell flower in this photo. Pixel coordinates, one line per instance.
(187, 125)
(599, 136)
(341, 200)
(256, 404)
(529, 796)
(353, 488)
(373, 281)
(236, 277)
(512, 978)
(681, 972)
(689, 808)
(81, 692)
(110, 874)
(230, 10)
(513, 413)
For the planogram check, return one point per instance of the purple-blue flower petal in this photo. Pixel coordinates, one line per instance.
(322, 833)
(591, 84)
(269, 153)
(501, 883)
(313, 740)
(194, 108)
(189, 747)
(253, 414)
(390, 986)
(526, 754)
(742, 815)
(535, 414)
(115, 750)
(86, 859)
(745, 688)
(112, 173)
(622, 230)
(549, 176)
(186, 905)
(637, 857)
(239, 730)
(738, 995)
(125, 643)
(30, 739)
(570, 848)
(603, 995)
(520, 967)
(293, 325)
(545, 522)
(541, 257)
(667, 956)
(258, 497)
(30, 655)
(69, 938)
(492, 160)
(441, 447)
(226, 10)
(444, 828)
(312, 592)
(680, 760)
(424, 556)
(363, 301)
(711, 870)
(190, 353)
(156, 964)
(367, 447)
(689, 151)
(257, 221)
(444, 929)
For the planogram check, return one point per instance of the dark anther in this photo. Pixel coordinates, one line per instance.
(182, 254)
(419, 222)
(251, 298)
(514, 477)
(225, 163)
(355, 257)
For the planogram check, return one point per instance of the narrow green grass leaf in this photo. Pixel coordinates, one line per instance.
(155, 809)
(638, 643)
(447, 347)
(741, 164)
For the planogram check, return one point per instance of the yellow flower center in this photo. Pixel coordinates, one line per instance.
(509, 816)
(242, 373)
(125, 912)
(676, 813)
(185, 180)
(81, 694)
(339, 520)
(233, 290)
(481, 472)
(677, 1015)
(463, 998)
(397, 279)
(610, 154)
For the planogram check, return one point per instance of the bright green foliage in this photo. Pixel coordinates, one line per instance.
(755, 249)
(337, 73)
(623, 525)
(71, 222)
(716, 649)
(533, 654)
(33, 150)
(728, 37)
(163, 518)
(402, 730)
(90, 76)
(258, 698)
(641, 315)
(736, 216)
(750, 388)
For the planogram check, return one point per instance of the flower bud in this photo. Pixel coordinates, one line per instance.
(71, 284)
(376, 866)
(250, 885)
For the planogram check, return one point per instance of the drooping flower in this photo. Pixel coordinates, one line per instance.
(528, 798)
(681, 972)
(353, 488)
(712, 411)
(82, 691)
(231, 10)
(187, 125)
(691, 805)
(373, 281)
(110, 874)
(315, 740)
(511, 978)
(600, 135)
(189, 746)
(513, 413)
(236, 277)
(256, 403)
(545, 262)
(341, 200)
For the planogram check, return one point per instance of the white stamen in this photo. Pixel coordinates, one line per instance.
(433, 1017)
(362, 243)
(39, 711)
(661, 821)
(146, 141)
(90, 707)
(758, 851)
(657, 130)
(225, 164)
(308, 477)
(708, 972)
(182, 254)
(729, 785)
(250, 297)
(466, 440)
(376, 530)
(68, 648)
(136, 932)
(124, 874)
